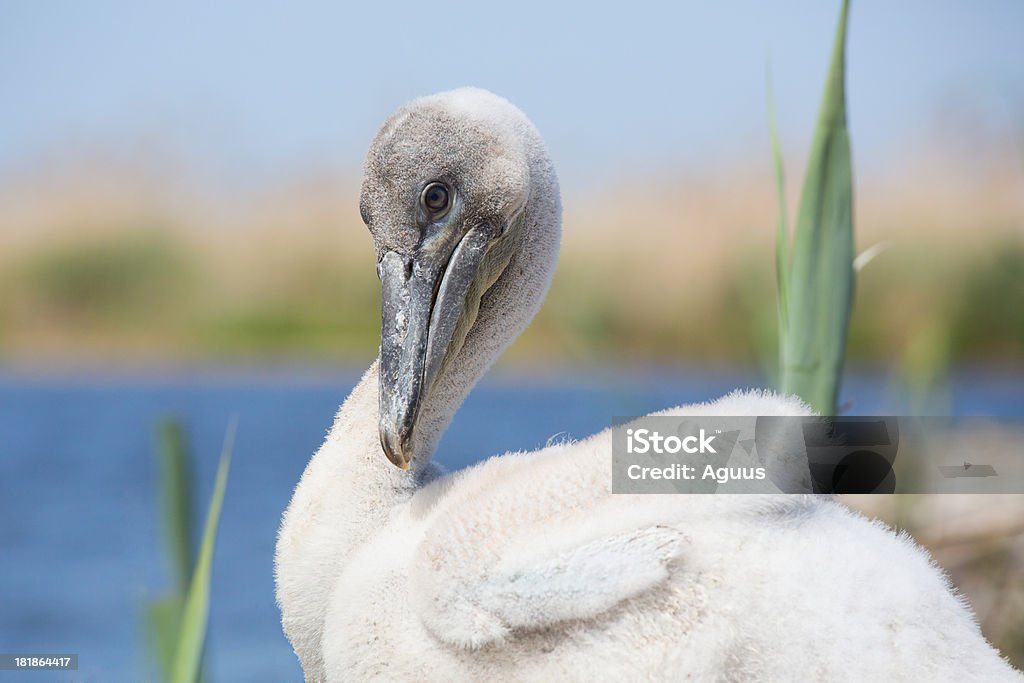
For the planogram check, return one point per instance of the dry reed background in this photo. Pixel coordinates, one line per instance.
(113, 265)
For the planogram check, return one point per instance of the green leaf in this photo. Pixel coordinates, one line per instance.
(176, 492)
(192, 634)
(163, 621)
(820, 286)
(782, 224)
(174, 486)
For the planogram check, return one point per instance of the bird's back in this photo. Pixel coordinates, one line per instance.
(526, 567)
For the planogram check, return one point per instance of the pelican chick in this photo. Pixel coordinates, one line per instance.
(525, 567)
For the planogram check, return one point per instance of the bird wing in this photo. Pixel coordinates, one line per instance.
(539, 541)
(521, 594)
(525, 541)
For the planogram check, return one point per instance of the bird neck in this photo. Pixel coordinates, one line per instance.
(344, 498)
(349, 490)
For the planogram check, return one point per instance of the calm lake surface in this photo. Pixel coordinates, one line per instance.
(80, 543)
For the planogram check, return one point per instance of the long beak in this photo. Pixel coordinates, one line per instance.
(423, 298)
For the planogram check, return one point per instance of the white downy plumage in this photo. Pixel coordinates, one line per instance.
(526, 567)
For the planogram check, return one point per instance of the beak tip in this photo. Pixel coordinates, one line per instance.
(398, 453)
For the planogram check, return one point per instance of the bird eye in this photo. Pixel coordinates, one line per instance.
(436, 199)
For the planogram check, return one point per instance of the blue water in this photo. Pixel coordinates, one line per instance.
(80, 546)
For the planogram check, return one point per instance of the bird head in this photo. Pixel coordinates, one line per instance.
(446, 187)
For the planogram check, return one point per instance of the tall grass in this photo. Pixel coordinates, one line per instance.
(815, 275)
(163, 615)
(176, 623)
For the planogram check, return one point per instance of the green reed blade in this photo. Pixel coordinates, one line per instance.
(819, 292)
(191, 637)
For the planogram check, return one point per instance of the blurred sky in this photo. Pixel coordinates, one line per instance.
(254, 92)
